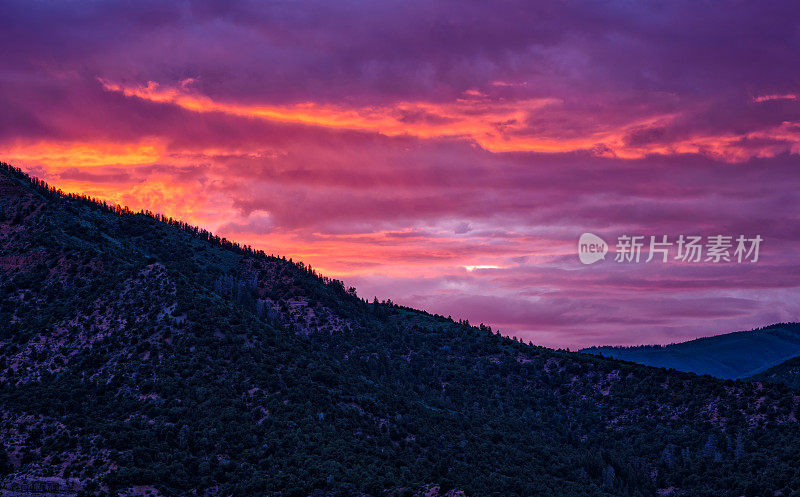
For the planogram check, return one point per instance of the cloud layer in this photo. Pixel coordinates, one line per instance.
(446, 155)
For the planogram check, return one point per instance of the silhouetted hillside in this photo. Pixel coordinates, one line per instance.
(139, 354)
(787, 372)
(731, 355)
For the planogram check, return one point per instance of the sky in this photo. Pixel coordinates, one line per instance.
(444, 154)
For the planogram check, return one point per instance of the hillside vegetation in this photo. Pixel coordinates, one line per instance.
(787, 373)
(140, 353)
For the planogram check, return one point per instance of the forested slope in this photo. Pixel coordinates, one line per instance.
(137, 352)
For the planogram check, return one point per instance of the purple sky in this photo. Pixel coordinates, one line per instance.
(446, 155)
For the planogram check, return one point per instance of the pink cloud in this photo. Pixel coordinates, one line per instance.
(396, 153)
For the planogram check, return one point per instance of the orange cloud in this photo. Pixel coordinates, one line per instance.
(495, 125)
(58, 155)
(423, 254)
(492, 124)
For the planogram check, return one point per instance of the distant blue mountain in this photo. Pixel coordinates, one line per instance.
(731, 355)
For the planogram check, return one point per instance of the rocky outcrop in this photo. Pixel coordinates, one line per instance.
(39, 487)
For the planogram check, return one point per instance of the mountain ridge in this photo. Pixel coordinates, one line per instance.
(787, 372)
(138, 352)
(733, 355)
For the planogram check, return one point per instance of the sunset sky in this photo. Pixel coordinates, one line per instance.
(446, 155)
